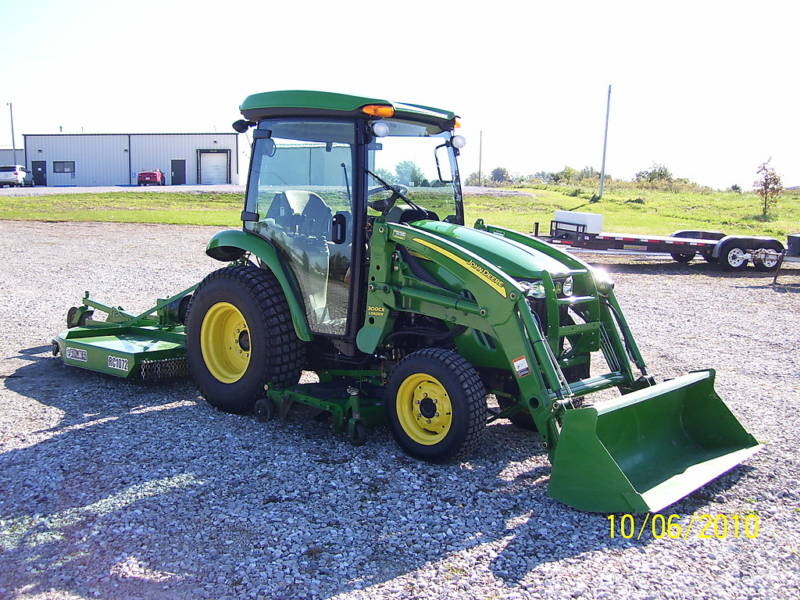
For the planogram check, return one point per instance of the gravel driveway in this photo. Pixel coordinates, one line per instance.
(119, 490)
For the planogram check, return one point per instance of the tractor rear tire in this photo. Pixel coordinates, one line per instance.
(240, 338)
(436, 405)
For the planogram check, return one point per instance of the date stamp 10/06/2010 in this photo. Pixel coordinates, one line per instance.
(680, 527)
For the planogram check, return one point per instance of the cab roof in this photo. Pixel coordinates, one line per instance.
(304, 103)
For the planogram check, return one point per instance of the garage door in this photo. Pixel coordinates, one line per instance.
(213, 167)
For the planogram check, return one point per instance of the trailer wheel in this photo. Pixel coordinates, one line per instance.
(768, 262)
(240, 338)
(733, 257)
(436, 405)
(681, 257)
(709, 258)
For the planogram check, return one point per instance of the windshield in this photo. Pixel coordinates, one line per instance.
(418, 158)
(7, 169)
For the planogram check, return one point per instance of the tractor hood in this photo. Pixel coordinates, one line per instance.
(515, 259)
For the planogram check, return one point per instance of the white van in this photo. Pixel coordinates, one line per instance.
(15, 175)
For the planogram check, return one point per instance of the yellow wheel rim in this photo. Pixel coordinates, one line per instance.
(225, 342)
(424, 409)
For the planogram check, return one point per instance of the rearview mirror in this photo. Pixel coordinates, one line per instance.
(439, 168)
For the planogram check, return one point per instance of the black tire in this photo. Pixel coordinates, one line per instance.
(770, 264)
(682, 257)
(464, 393)
(730, 256)
(707, 256)
(523, 419)
(275, 353)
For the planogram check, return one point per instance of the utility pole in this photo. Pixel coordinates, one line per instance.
(480, 156)
(13, 142)
(605, 142)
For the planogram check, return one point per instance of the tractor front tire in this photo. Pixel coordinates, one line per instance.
(436, 405)
(240, 338)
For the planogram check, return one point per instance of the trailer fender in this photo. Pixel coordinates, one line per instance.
(698, 234)
(232, 244)
(748, 243)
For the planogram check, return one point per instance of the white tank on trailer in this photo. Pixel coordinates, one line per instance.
(592, 221)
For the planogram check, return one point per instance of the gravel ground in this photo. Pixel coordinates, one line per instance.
(118, 490)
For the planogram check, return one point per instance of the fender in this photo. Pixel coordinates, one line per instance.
(748, 242)
(230, 245)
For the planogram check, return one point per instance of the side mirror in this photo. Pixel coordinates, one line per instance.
(241, 125)
(339, 228)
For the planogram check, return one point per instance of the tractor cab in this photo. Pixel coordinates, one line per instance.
(318, 181)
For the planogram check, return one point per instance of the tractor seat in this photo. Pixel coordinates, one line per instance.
(302, 212)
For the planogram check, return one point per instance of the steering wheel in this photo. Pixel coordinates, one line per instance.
(384, 204)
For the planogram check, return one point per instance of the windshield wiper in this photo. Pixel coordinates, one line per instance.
(395, 190)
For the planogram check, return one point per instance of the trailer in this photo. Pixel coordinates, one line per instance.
(732, 252)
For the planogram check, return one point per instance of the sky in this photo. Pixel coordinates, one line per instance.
(709, 89)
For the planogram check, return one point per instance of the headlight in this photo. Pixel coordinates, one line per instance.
(603, 281)
(566, 288)
(532, 289)
(380, 129)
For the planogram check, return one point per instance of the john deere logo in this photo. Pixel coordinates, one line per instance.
(375, 311)
(485, 273)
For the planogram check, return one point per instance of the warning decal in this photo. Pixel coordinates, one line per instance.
(521, 366)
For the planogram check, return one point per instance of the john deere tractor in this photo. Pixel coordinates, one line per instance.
(354, 261)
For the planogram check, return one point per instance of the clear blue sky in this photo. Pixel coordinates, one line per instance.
(709, 89)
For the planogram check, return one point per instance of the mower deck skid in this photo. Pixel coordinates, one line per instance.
(647, 449)
(122, 351)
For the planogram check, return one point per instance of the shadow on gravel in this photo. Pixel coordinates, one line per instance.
(567, 533)
(142, 492)
(778, 288)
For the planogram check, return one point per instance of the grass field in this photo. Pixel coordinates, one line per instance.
(624, 210)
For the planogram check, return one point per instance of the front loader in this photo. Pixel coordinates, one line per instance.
(354, 262)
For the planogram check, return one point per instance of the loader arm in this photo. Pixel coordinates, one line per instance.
(498, 309)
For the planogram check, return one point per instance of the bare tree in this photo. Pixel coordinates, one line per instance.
(768, 186)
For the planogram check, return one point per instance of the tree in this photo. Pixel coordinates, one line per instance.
(768, 186)
(588, 173)
(386, 175)
(408, 173)
(656, 173)
(472, 179)
(565, 175)
(500, 175)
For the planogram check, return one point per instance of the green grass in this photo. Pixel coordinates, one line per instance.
(128, 207)
(625, 209)
(645, 211)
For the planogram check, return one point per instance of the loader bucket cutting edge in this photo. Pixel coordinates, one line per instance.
(647, 449)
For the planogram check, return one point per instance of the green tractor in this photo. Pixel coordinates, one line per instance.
(354, 262)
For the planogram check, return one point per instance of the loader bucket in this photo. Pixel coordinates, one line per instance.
(647, 449)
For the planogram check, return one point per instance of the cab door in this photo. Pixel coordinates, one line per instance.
(301, 186)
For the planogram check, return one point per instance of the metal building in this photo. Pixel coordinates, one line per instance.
(7, 156)
(90, 159)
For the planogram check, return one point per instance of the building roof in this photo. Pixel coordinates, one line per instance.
(95, 134)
